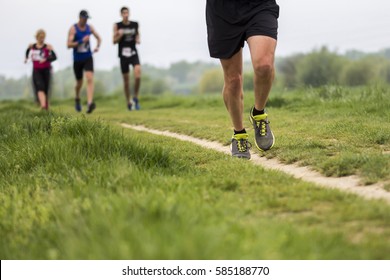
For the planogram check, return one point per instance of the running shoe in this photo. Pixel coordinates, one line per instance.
(130, 105)
(240, 146)
(77, 105)
(136, 103)
(264, 138)
(91, 107)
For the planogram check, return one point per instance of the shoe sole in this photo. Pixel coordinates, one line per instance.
(260, 149)
(242, 157)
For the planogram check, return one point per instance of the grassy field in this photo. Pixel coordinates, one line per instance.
(81, 187)
(337, 131)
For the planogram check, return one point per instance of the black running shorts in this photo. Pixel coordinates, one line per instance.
(230, 23)
(127, 61)
(83, 65)
(41, 80)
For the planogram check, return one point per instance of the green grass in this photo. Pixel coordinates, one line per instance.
(77, 187)
(337, 131)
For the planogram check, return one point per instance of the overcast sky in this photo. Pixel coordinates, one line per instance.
(173, 30)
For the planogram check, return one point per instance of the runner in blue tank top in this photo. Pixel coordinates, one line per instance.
(83, 49)
(79, 39)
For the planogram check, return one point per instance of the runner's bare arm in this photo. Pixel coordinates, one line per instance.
(97, 36)
(138, 37)
(118, 33)
(70, 43)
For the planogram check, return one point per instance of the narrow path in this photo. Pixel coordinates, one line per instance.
(349, 184)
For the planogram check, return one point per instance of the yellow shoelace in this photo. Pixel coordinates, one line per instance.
(263, 128)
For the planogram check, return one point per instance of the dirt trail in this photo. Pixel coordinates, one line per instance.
(349, 184)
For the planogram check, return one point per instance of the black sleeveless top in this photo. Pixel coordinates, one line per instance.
(126, 46)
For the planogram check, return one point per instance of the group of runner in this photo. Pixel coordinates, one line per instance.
(230, 24)
(126, 35)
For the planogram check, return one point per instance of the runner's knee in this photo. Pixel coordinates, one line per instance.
(233, 81)
(263, 69)
(89, 78)
(79, 84)
(137, 72)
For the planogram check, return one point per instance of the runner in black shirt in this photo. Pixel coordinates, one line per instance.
(229, 24)
(126, 35)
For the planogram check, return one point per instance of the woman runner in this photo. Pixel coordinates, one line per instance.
(42, 55)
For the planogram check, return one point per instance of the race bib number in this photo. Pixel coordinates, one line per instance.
(36, 55)
(127, 52)
(83, 48)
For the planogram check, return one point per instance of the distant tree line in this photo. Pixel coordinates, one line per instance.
(322, 67)
(317, 68)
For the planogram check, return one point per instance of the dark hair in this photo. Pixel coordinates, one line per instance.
(124, 9)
